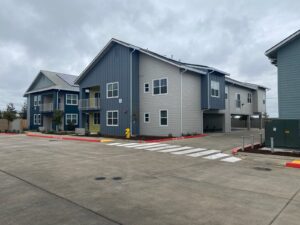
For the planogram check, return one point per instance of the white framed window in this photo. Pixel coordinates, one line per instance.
(160, 86)
(146, 87)
(71, 118)
(35, 100)
(71, 99)
(249, 98)
(146, 117)
(96, 118)
(112, 118)
(163, 117)
(37, 119)
(238, 100)
(215, 88)
(112, 90)
(39, 100)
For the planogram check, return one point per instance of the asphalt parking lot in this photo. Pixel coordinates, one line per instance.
(47, 181)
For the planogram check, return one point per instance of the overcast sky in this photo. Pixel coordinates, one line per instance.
(65, 35)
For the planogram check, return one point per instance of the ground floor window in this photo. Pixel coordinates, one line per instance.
(96, 118)
(112, 118)
(163, 117)
(146, 117)
(71, 118)
(37, 119)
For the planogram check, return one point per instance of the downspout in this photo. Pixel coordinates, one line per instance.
(181, 111)
(130, 88)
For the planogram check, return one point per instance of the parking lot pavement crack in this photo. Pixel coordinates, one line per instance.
(61, 197)
(284, 207)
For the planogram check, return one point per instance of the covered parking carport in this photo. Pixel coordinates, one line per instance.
(213, 122)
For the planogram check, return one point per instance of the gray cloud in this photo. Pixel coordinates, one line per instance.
(64, 36)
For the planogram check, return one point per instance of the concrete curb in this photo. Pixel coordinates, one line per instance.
(176, 138)
(235, 150)
(67, 138)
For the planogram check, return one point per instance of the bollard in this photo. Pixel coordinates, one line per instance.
(252, 143)
(272, 144)
(243, 146)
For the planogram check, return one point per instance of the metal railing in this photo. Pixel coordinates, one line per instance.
(49, 107)
(89, 104)
(251, 138)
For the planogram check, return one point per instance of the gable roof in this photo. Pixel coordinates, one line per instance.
(60, 81)
(272, 52)
(186, 66)
(244, 84)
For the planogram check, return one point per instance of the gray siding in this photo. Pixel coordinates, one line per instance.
(41, 82)
(114, 67)
(288, 63)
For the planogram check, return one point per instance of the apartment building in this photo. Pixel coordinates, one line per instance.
(48, 92)
(126, 86)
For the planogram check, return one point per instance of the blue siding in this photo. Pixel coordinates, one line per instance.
(288, 63)
(214, 103)
(114, 66)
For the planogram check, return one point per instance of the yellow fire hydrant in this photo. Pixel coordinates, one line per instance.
(127, 133)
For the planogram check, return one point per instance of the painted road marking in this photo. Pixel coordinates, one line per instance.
(216, 156)
(135, 145)
(114, 144)
(209, 152)
(231, 159)
(152, 145)
(189, 151)
(161, 148)
(176, 149)
(124, 145)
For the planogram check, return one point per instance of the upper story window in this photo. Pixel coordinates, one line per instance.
(160, 86)
(163, 117)
(215, 88)
(37, 100)
(238, 100)
(112, 90)
(71, 99)
(146, 87)
(249, 98)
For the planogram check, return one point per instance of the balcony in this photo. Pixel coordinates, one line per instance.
(49, 107)
(89, 104)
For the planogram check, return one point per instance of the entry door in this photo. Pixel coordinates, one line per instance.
(87, 121)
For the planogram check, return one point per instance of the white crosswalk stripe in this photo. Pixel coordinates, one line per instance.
(231, 159)
(189, 151)
(216, 156)
(153, 145)
(161, 148)
(209, 152)
(175, 149)
(114, 144)
(135, 145)
(124, 145)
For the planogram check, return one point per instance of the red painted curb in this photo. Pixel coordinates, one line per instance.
(63, 138)
(235, 150)
(176, 138)
(292, 165)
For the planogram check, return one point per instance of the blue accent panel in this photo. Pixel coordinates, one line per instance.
(114, 66)
(212, 102)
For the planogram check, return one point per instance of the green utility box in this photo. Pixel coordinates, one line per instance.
(286, 133)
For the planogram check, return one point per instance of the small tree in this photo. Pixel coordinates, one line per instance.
(57, 116)
(10, 114)
(23, 112)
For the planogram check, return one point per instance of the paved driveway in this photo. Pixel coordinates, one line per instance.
(66, 182)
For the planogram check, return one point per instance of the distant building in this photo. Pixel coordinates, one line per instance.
(48, 92)
(286, 56)
(126, 86)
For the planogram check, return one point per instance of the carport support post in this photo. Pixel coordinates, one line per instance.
(243, 146)
(252, 142)
(248, 122)
(260, 121)
(272, 144)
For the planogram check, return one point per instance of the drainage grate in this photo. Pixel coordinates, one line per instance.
(100, 178)
(117, 178)
(262, 168)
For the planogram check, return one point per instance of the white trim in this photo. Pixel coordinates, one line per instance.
(37, 119)
(160, 86)
(71, 99)
(112, 125)
(211, 88)
(71, 114)
(249, 94)
(148, 87)
(160, 118)
(112, 83)
(145, 117)
(236, 99)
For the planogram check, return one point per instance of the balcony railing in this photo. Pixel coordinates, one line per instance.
(89, 104)
(49, 107)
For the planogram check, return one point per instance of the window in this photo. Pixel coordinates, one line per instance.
(146, 88)
(112, 90)
(37, 119)
(112, 118)
(163, 117)
(72, 99)
(96, 118)
(35, 100)
(226, 92)
(238, 100)
(160, 86)
(249, 98)
(71, 118)
(146, 117)
(215, 88)
(39, 100)
(264, 101)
